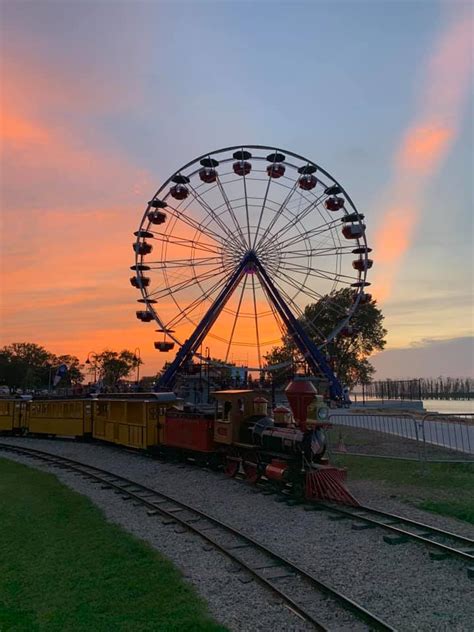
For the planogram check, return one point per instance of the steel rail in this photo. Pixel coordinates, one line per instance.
(360, 512)
(155, 500)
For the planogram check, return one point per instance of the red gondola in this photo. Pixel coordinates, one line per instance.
(144, 316)
(362, 264)
(353, 231)
(242, 167)
(157, 217)
(142, 248)
(145, 282)
(179, 192)
(164, 346)
(208, 175)
(276, 170)
(334, 203)
(307, 182)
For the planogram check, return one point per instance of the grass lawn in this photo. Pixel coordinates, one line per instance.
(444, 488)
(64, 568)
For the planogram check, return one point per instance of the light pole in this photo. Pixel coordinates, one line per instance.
(208, 359)
(94, 365)
(137, 358)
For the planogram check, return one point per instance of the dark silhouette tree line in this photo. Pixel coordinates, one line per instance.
(422, 388)
(29, 366)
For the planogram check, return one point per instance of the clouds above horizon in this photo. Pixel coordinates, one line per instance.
(443, 98)
(427, 358)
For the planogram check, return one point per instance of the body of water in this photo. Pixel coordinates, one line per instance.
(449, 405)
(434, 405)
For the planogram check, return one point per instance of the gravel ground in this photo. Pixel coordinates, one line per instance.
(398, 583)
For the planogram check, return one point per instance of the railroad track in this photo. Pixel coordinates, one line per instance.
(448, 543)
(265, 565)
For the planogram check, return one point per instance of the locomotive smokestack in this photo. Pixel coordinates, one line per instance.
(300, 392)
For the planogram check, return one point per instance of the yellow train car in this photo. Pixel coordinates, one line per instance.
(12, 415)
(68, 417)
(136, 423)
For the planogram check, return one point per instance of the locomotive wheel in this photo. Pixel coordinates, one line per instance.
(231, 467)
(252, 475)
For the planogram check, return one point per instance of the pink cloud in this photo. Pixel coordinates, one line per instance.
(424, 145)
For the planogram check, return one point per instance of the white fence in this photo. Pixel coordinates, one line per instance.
(451, 434)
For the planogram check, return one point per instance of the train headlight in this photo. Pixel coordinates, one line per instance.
(323, 413)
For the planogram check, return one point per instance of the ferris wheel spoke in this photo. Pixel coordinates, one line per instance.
(210, 211)
(323, 274)
(247, 209)
(299, 312)
(178, 215)
(262, 210)
(316, 252)
(310, 292)
(256, 323)
(236, 318)
(184, 285)
(313, 232)
(316, 296)
(189, 243)
(183, 263)
(297, 218)
(276, 316)
(231, 211)
(278, 213)
(184, 313)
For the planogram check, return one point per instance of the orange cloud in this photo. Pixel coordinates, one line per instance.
(20, 131)
(423, 147)
(395, 233)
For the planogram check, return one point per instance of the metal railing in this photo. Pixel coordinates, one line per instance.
(428, 437)
(449, 431)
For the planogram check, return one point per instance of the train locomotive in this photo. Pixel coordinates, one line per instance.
(283, 448)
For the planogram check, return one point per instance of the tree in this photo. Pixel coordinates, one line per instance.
(113, 366)
(349, 354)
(27, 365)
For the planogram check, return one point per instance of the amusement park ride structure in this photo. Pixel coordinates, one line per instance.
(258, 225)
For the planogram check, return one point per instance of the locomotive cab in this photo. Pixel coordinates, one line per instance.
(235, 410)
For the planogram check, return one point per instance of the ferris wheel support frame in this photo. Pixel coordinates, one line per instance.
(194, 341)
(315, 358)
(308, 349)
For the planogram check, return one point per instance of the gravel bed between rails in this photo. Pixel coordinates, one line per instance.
(398, 583)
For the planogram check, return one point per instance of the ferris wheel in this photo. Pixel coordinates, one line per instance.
(235, 245)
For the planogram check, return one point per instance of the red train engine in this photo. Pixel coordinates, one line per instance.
(284, 448)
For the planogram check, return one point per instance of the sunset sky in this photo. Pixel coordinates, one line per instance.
(102, 101)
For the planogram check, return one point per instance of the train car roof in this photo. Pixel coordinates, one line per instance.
(158, 397)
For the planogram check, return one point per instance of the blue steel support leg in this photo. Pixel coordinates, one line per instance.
(193, 343)
(306, 346)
